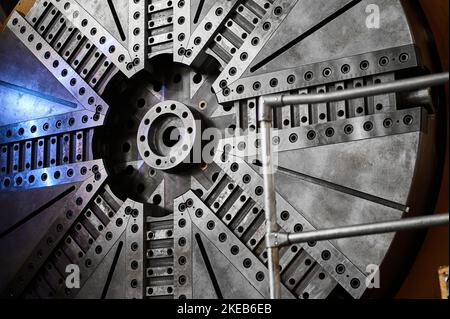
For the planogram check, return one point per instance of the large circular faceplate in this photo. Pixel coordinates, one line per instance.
(130, 146)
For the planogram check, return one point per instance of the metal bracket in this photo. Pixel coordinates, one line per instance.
(277, 240)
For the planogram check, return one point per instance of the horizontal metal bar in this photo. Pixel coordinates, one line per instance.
(286, 239)
(378, 89)
(275, 240)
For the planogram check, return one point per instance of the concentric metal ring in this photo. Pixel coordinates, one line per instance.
(167, 135)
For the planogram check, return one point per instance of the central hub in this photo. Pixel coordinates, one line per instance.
(161, 130)
(167, 135)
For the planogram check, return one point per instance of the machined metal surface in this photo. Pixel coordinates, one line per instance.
(274, 239)
(130, 146)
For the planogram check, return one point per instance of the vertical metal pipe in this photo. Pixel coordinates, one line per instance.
(273, 253)
(265, 115)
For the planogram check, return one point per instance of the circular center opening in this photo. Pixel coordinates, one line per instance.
(165, 134)
(171, 136)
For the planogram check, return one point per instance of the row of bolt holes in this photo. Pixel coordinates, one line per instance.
(182, 241)
(222, 238)
(67, 53)
(108, 235)
(340, 269)
(208, 27)
(329, 132)
(182, 279)
(136, 32)
(88, 262)
(64, 72)
(364, 65)
(359, 110)
(58, 125)
(56, 175)
(247, 263)
(134, 247)
(102, 39)
(60, 228)
(169, 20)
(98, 248)
(348, 129)
(255, 40)
(84, 23)
(134, 229)
(41, 143)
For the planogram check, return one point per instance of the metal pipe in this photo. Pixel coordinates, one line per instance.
(265, 115)
(286, 239)
(373, 90)
(273, 254)
(420, 97)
